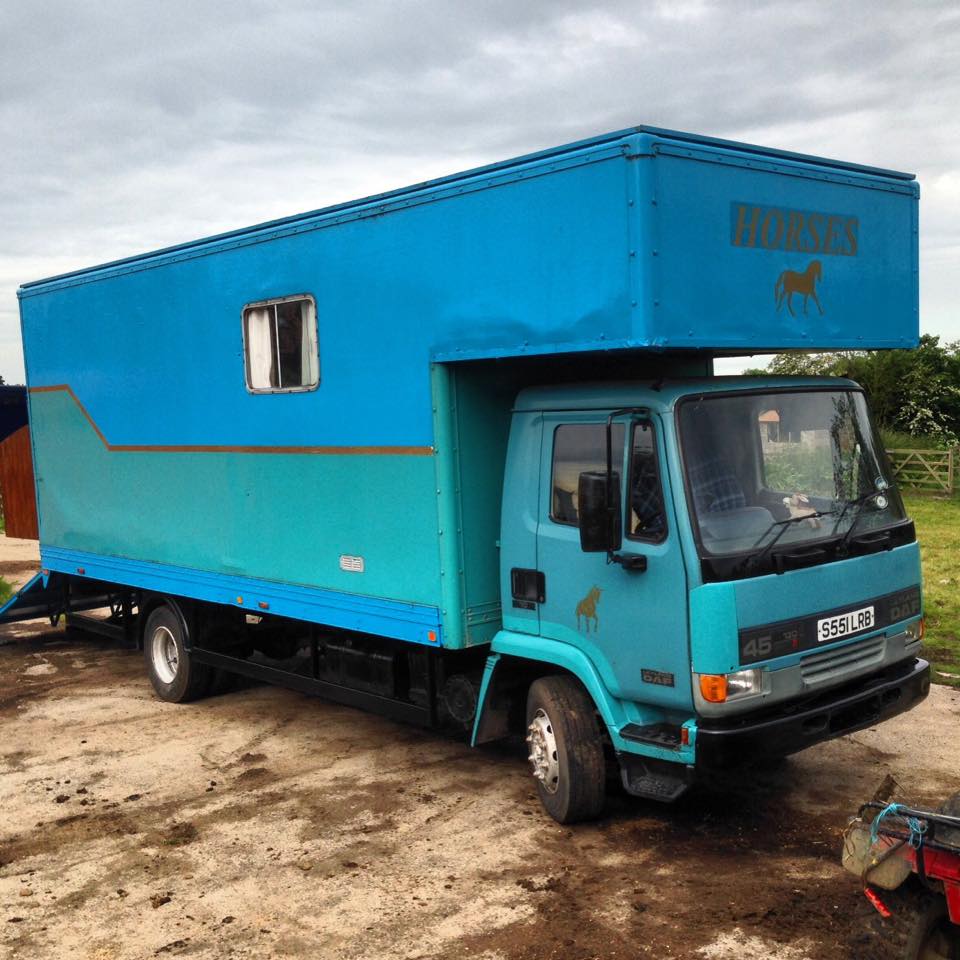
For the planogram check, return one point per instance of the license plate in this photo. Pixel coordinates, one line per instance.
(845, 624)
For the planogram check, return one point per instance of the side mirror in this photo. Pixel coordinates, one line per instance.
(600, 522)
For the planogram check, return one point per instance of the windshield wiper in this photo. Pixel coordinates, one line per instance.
(756, 559)
(859, 503)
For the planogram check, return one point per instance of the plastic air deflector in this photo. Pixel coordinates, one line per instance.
(665, 735)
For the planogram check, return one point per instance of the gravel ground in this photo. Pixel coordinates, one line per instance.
(263, 823)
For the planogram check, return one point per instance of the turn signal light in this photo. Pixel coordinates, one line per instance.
(713, 687)
(917, 629)
(727, 687)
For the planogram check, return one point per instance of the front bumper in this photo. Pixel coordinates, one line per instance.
(786, 729)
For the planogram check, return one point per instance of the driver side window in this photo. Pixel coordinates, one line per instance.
(579, 448)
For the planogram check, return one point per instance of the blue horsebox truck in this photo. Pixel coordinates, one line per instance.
(456, 453)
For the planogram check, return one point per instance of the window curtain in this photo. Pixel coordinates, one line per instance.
(260, 353)
(309, 359)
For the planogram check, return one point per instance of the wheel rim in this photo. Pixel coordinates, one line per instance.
(942, 943)
(544, 758)
(164, 654)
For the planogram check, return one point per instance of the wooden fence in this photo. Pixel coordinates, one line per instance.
(930, 470)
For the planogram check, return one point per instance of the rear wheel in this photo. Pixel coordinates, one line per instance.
(175, 676)
(566, 750)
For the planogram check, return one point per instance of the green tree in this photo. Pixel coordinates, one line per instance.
(913, 391)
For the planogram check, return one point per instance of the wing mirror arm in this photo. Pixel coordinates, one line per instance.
(599, 501)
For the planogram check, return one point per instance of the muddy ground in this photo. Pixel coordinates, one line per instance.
(263, 823)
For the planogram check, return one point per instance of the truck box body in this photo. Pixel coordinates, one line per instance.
(456, 453)
(373, 502)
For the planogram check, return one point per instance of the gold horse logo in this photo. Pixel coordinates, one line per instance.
(790, 282)
(587, 608)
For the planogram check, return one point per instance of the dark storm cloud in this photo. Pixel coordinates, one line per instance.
(133, 125)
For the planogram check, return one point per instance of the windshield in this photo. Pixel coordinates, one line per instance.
(771, 472)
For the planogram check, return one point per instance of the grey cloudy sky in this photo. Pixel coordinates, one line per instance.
(132, 125)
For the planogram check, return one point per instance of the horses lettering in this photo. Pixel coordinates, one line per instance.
(802, 231)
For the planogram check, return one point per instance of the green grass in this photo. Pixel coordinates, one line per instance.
(938, 530)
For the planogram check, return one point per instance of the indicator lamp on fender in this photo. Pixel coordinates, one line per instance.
(917, 629)
(713, 687)
(725, 687)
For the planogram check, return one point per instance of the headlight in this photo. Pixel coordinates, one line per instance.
(724, 687)
(916, 630)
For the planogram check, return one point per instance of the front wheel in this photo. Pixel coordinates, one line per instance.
(175, 676)
(566, 751)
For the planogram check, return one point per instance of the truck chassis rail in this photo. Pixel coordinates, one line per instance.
(338, 693)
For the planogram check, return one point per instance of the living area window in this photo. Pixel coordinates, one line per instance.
(280, 345)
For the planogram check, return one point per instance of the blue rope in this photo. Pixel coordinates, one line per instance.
(888, 811)
(917, 827)
(917, 830)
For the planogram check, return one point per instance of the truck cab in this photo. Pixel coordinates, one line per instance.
(724, 564)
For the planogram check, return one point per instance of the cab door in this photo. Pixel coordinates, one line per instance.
(632, 624)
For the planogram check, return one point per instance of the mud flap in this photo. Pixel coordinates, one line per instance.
(491, 721)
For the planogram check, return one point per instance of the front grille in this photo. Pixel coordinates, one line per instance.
(836, 664)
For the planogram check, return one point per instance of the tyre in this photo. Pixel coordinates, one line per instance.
(175, 676)
(917, 929)
(566, 750)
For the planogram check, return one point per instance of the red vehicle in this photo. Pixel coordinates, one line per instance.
(909, 862)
